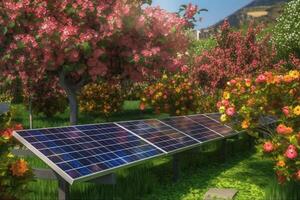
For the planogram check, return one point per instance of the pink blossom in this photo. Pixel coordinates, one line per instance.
(230, 111)
(286, 111)
(261, 79)
(184, 69)
(268, 147)
(291, 153)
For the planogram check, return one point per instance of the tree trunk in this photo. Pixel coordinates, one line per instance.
(73, 106)
(71, 91)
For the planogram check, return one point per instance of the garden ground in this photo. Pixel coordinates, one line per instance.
(200, 168)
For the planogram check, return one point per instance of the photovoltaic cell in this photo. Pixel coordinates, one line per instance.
(213, 124)
(192, 128)
(160, 134)
(81, 151)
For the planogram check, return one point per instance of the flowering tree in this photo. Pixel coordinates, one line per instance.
(81, 40)
(245, 101)
(235, 54)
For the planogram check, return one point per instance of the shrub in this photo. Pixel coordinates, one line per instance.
(177, 95)
(101, 98)
(133, 91)
(245, 101)
(236, 53)
(286, 34)
(14, 172)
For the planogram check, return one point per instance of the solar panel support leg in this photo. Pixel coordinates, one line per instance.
(175, 168)
(224, 150)
(63, 189)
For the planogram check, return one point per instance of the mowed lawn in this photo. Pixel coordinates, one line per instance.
(200, 169)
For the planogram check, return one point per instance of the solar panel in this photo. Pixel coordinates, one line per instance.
(88, 151)
(83, 152)
(159, 134)
(192, 128)
(215, 116)
(213, 124)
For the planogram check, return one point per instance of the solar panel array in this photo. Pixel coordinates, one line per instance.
(87, 151)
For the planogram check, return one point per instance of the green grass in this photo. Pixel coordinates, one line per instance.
(200, 169)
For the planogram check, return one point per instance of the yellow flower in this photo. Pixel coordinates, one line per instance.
(223, 118)
(10, 155)
(222, 109)
(164, 76)
(226, 95)
(294, 74)
(245, 124)
(296, 110)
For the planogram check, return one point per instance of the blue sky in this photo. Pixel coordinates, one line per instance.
(217, 9)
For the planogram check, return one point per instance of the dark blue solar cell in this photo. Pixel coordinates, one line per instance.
(64, 166)
(57, 150)
(85, 161)
(41, 138)
(66, 157)
(55, 159)
(47, 152)
(75, 164)
(161, 135)
(38, 145)
(192, 128)
(76, 155)
(74, 173)
(31, 139)
(84, 171)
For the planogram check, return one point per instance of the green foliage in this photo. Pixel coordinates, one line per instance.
(286, 34)
(198, 46)
(14, 172)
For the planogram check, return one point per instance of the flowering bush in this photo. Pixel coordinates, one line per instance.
(14, 173)
(235, 53)
(101, 98)
(286, 34)
(177, 95)
(245, 101)
(134, 91)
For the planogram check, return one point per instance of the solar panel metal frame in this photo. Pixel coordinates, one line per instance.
(94, 175)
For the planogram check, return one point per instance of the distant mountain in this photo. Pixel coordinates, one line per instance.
(259, 11)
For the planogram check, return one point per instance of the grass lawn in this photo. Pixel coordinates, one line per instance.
(200, 169)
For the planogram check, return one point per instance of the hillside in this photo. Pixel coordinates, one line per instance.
(257, 11)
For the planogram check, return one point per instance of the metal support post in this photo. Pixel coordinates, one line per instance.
(175, 167)
(63, 189)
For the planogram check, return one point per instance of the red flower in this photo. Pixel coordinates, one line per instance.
(268, 147)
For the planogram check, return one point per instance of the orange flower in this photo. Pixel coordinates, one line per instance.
(19, 168)
(7, 134)
(245, 124)
(284, 130)
(280, 163)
